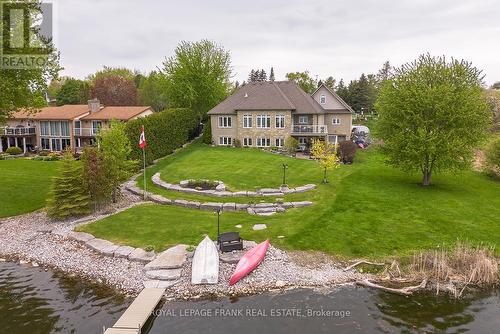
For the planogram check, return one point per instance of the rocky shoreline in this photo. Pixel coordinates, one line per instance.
(33, 238)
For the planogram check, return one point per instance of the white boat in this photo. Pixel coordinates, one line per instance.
(205, 269)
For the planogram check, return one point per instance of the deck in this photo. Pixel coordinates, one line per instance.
(137, 313)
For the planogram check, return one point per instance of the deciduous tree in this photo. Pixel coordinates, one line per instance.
(304, 80)
(115, 90)
(73, 91)
(114, 146)
(325, 155)
(153, 92)
(198, 76)
(432, 115)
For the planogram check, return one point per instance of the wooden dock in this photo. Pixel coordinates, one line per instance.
(137, 313)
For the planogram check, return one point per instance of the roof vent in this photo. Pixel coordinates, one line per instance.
(246, 94)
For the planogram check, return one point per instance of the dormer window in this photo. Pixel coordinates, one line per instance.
(322, 99)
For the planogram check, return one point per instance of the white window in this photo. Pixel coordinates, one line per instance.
(44, 128)
(226, 141)
(280, 142)
(247, 121)
(56, 144)
(302, 140)
(335, 121)
(280, 121)
(225, 121)
(45, 144)
(247, 142)
(96, 126)
(322, 99)
(303, 119)
(263, 121)
(263, 142)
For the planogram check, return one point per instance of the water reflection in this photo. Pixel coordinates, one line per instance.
(35, 301)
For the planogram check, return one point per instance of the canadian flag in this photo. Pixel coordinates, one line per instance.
(142, 139)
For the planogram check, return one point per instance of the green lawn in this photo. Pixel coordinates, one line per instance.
(24, 185)
(368, 210)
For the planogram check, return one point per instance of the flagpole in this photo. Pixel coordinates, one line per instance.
(144, 163)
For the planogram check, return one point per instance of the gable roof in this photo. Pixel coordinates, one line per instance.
(66, 112)
(348, 107)
(274, 95)
(118, 113)
(82, 111)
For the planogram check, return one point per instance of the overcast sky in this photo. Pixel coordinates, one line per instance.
(338, 38)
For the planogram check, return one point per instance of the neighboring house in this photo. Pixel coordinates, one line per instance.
(264, 114)
(57, 128)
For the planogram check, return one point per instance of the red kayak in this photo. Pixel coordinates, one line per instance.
(249, 261)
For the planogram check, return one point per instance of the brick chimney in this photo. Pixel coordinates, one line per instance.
(94, 105)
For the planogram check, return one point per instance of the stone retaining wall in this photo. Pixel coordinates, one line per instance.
(263, 209)
(222, 192)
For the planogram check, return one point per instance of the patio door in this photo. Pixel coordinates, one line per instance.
(302, 143)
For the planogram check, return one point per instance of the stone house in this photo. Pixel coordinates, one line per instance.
(57, 128)
(264, 114)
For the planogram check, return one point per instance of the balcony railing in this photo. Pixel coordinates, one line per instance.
(18, 131)
(309, 129)
(85, 132)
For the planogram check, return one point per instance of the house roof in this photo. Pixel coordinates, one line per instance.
(66, 112)
(118, 113)
(338, 111)
(82, 111)
(275, 95)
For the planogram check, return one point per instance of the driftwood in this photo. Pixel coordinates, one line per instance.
(403, 291)
(362, 262)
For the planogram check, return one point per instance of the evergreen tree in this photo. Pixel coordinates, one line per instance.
(94, 176)
(330, 83)
(271, 74)
(68, 197)
(262, 76)
(385, 73)
(251, 77)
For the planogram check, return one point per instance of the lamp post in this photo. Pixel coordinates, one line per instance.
(217, 212)
(285, 167)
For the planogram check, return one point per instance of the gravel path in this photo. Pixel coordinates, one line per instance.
(33, 237)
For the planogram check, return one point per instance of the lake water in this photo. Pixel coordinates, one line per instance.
(33, 300)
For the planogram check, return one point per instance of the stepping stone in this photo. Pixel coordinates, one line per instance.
(104, 247)
(229, 206)
(140, 255)
(172, 258)
(281, 236)
(241, 207)
(233, 257)
(264, 205)
(220, 187)
(280, 209)
(160, 199)
(157, 284)
(258, 227)
(211, 206)
(124, 251)
(266, 214)
(164, 274)
(238, 226)
(301, 204)
(81, 236)
(307, 187)
(250, 211)
(287, 205)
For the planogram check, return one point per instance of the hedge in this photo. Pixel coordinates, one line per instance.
(165, 131)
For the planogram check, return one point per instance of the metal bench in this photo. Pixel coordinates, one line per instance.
(230, 241)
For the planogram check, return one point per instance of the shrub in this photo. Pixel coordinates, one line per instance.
(68, 196)
(165, 131)
(237, 143)
(52, 157)
(492, 158)
(44, 153)
(347, 151)
(291, 145)
(14, 150)
(207, 133)
(3, 156)
(203, 184)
